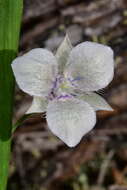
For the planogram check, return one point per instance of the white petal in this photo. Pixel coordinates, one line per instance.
(92, 64)
(35, 71)
(38, 105)
(70, 119)
(96, 101)
(63, 52)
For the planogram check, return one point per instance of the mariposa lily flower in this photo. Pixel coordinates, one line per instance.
(64, 85)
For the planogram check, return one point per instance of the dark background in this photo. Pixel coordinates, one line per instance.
(40, 161)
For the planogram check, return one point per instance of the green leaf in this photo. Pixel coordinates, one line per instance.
(10, 19)
(4, 159)
(6, 93)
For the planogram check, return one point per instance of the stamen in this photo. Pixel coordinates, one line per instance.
(55, 84)
(77, 78)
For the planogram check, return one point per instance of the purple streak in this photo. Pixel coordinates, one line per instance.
(64, 97)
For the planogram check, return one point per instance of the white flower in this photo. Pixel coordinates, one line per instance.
(63, 85)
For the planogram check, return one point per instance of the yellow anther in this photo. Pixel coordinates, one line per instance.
(64, 85)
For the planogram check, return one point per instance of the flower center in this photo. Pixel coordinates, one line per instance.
(63, 88)
(60, 89)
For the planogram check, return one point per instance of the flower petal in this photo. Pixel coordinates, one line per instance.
(96, 101)
(90, 66)
(70, 119)
(35, 71)
(38, 105)
(63, 52)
